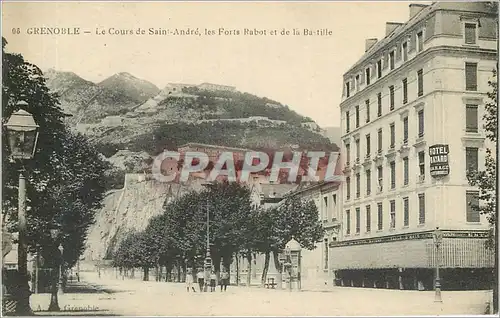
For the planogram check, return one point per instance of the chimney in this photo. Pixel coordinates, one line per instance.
(416, 8)
(369, 43)
(391, 26)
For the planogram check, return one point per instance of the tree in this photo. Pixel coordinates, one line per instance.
(296, 218)
(487, 181)
(65, 181)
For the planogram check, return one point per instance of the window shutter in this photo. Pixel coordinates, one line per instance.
(471, 76)
(472, 206)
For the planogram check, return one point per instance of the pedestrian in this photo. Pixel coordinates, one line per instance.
(224, 279)
(201, 279)
(213, 281)
(189, 281)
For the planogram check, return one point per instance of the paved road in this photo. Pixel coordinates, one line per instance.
(134, 297)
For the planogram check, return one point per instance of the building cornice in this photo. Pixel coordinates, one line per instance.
(482, 234)
(407, 28)
(442, 50)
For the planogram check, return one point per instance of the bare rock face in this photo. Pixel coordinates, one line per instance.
(128, 210)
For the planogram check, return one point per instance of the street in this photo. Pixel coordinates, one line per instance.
(110, 296)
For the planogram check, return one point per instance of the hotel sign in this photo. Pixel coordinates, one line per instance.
(439, 160)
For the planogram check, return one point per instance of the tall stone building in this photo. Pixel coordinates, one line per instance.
(411, 119)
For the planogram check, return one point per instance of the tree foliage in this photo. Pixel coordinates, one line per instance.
(65, 180)
(486, 180)
(178, 236)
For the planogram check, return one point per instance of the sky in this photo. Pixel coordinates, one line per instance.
(301, 71)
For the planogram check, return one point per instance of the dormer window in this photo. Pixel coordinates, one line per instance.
(391, 60)
(348, 89)
(368, 75)
(356, 82)
(420, 41)
(404, 51)
(379, 69)
(470, 33)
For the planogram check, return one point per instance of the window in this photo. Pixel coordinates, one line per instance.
(358, 220)
(379, 104)
(421, 208)
(470, 33)
(405, 130)
(348, 152)
(368, 218)
(357, 150)
(404, 51)
(357, 116)
(347, 122)
(379, 69)
(348, 222)
(367, 104)
(379, 177)
(367, 75)
(368, 182)
(421, 163)
(406, 174)
(471, 120)
(379, 140)
(393, 214)
(420, 41)
(368, 145)
(406, 212)
(472, 198)
(391, 97)
(325, 253)
(471, 76)
(358, 185)
(405, 91)
(380, 218)
(471, 159)
(356, 82)
(393, 174)
(420, 82)
(348, 89)
(391, 60)
(421, 123)
(348, 187)
(393, 135)
(325, 208)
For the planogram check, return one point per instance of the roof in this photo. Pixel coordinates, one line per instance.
(276, 190)
(480, 7)
(396, 32)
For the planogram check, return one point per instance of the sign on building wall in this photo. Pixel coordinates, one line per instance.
(439, 166)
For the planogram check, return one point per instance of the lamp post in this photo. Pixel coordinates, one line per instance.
(438, 238)
(60, 290)
(54, 301)
(208, 258)
(22, 135)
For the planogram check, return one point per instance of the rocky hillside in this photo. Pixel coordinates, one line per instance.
(89, 102)
(131, 121)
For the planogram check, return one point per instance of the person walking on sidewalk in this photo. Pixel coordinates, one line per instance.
(224, 279)
(189, 281)
(201, 279)
(213, 281)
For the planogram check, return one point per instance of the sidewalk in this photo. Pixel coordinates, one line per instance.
(162, 298)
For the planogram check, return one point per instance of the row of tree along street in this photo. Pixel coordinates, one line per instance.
(66, 180)
(176, 239)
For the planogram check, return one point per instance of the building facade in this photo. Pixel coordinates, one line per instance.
(316, 264)
(411, 112)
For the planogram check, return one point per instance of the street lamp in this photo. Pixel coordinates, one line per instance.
(22, 136)
(208, 258)
(438, 239)
(60, 290)
(54, 302)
